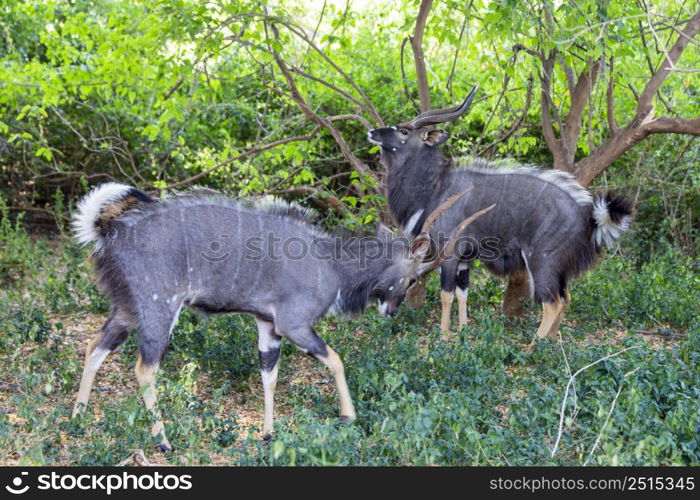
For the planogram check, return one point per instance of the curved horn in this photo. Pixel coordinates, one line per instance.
(444, 206)
(448, 250)
(443, 115)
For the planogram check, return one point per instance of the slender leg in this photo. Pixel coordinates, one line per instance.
(94, 356)
(446, 298)
(462, 290)
(331, 359)
(308, 341)
(146, 376)
(564, 305)
(552, 314)
(269, 352)
(462, 305)
(114, 333)
(518, 290)
(551, 318)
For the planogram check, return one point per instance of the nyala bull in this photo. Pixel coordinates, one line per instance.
(546, 226)
(212, 254)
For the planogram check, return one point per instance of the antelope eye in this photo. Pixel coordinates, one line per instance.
(403, 131)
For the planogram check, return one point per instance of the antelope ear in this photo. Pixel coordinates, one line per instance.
(434, 138)
(422, 247)
(384, 231)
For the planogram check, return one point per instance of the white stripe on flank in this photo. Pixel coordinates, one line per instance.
(530, 280)
(174, 321)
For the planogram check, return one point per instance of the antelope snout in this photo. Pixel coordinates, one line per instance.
(373, 137)
(387, 309)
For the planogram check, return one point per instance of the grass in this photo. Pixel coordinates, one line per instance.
(479, 400)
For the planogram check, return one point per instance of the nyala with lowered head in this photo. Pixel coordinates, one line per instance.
(213, 254)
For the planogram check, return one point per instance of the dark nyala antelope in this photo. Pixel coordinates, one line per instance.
(546, 226)
(215, 255)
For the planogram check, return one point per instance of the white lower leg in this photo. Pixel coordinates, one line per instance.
(269, 380)
(146, 376)
(446, 298)
(333, 362)
(94, 358)
(462, 305)
(269, 352)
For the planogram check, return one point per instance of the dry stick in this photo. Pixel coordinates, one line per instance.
(367, 105)
(568, 370)
(318, 25)
(568, 386)
(607, 419)
(504, 88)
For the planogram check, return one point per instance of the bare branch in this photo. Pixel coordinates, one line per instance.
(321, 199)
(448, 85)
(418, 57)
(367, 103)
(558, 149)
(579, 98)
(300, 33)
(356, 163)
(644, 106)
(245, 154)
(643, 124)
(404, 79)
(327, 84)
(612, 123)
(517, 125)
(351, 116)
(172, 89)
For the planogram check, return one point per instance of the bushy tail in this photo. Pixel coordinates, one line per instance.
(612, 216)
(104, 203)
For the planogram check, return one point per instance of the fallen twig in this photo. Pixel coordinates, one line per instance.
(568, 386)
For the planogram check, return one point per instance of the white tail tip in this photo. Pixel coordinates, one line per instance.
(90, 208)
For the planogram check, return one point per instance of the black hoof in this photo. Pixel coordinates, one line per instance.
(347, 420)
(267, 437)
(165, 448)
